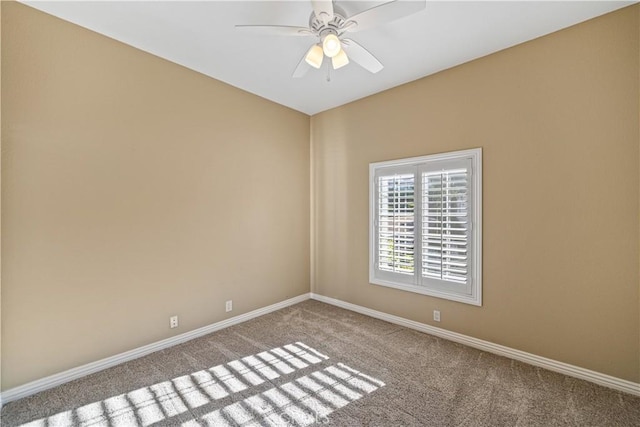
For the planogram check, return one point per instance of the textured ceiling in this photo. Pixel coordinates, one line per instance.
(201, 36)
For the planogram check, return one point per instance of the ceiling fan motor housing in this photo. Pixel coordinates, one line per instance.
(334, 26)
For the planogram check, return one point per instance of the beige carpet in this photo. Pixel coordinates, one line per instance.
(313, 363)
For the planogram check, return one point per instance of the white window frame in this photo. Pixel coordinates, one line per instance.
(471, 293)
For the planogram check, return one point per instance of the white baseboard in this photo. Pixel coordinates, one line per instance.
(532, 359)
(90, 368)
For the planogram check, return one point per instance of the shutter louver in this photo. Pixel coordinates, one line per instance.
(445, 225)
(396, 223)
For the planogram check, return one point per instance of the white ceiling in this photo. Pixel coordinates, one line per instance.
(201, 36)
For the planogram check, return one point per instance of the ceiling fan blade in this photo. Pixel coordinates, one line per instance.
(275, 30)
(323, 9)
(384, 13)
(301, 69)
(361, 56)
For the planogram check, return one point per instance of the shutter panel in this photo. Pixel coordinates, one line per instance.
(445, 225)
(396, 223)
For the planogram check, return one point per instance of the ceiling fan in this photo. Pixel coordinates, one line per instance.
(329, 23)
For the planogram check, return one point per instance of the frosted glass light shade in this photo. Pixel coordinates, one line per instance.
(340, 60)
(315, 56)
(331, 45)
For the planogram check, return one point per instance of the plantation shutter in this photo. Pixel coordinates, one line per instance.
(446, 223)
(425, 225)
(395, 226)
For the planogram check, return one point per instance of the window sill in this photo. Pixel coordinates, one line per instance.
(467, 299)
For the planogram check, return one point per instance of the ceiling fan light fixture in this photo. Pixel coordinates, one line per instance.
(340, 60)
(314, 57)
(331, 45)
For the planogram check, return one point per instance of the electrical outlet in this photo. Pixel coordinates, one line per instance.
(228, 306)
(173, 322)
(436, 315)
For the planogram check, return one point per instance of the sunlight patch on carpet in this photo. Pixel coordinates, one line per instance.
(305, 400)
(165, 400)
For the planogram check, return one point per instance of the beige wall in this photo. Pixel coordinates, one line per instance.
(558, 121)
(134, 189)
